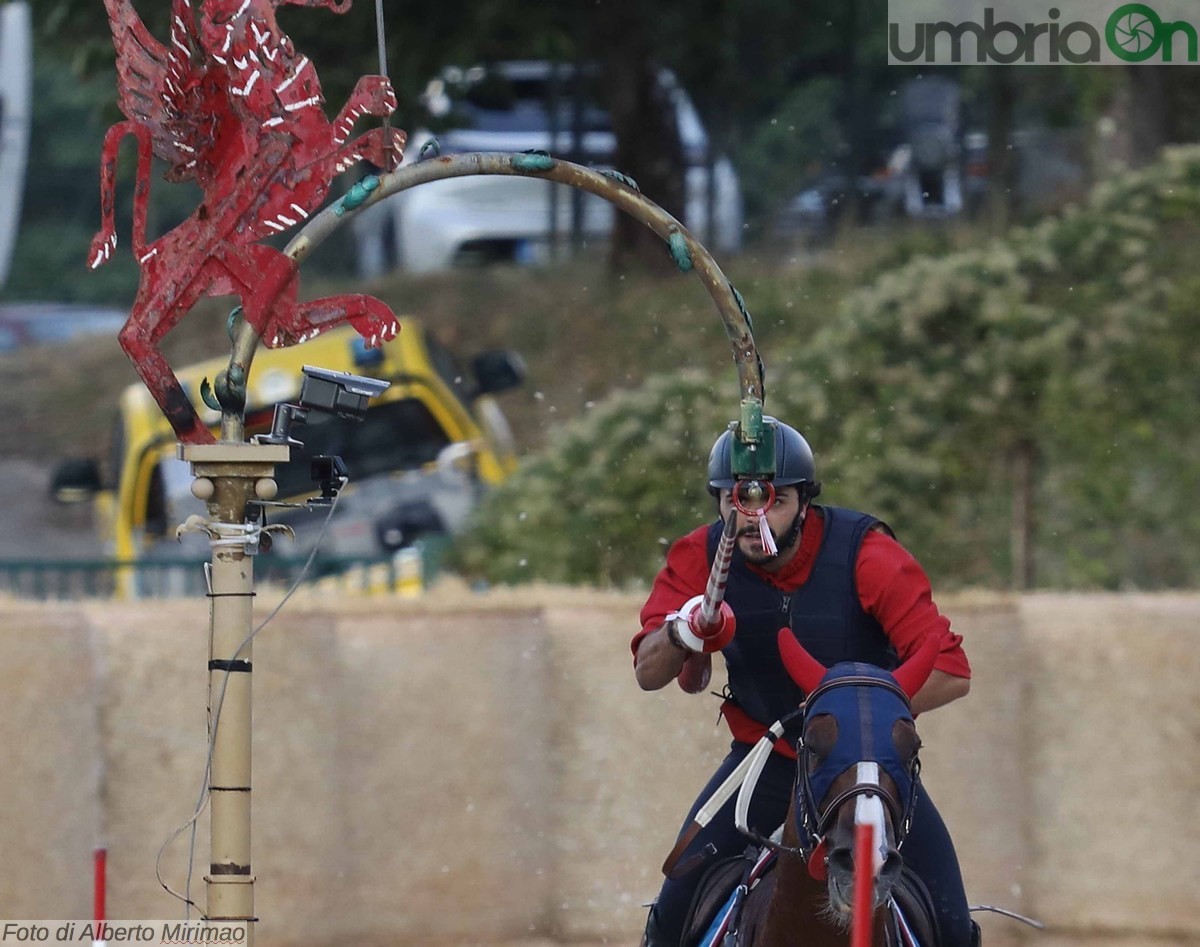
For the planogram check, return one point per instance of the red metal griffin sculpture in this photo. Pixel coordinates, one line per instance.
(231, 105)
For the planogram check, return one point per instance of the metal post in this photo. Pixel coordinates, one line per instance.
(228, 476)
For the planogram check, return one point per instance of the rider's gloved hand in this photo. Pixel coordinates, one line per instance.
(687, 630)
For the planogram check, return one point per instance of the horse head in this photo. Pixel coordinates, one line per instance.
(858, 743)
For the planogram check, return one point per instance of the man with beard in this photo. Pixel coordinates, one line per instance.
(849, 592)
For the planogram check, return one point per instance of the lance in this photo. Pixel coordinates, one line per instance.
(714, 593)
(710, 621)
(707, 622)
(707, 617)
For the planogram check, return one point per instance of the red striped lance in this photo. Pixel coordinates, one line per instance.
(864, 886)
(714, 593)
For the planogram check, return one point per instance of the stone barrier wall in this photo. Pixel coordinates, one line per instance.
(474, 769)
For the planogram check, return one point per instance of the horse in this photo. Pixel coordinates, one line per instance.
(857, 743)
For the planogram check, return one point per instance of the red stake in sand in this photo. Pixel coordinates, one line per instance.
(864, 886)
(99, 883)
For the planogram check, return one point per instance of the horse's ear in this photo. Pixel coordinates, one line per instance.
(913, 673)
(801, 666)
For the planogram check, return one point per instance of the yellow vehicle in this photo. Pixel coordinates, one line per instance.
(417, 462)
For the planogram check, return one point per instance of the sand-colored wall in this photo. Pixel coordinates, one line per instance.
(483, 769)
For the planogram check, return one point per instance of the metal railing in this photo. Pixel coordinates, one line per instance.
(406, 572)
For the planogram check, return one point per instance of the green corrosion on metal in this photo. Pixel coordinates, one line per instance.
(357, 195)
(229, 391)
(741, 304)
(532, 161)
(233, 323)
(206, 393)
(680, 252)
(623, 178)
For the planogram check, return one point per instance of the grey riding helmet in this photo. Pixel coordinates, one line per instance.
(794, 462)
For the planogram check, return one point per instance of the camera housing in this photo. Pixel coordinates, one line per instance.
(330, 473)
(340, 393)
(329, 392)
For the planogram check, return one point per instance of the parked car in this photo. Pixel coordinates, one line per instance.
(24, 324)
(507, 107)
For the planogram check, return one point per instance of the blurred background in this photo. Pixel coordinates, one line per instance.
(970, 286)
(973, 290)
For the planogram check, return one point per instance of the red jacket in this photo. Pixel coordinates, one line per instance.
(892, 587)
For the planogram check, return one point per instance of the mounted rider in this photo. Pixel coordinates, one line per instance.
(849, 592)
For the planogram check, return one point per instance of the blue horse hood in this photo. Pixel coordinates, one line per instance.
(847, 693)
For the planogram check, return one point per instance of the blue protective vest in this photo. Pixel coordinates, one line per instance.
(824, 614)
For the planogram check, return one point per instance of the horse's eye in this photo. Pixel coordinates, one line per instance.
(905, 739)
(820, 736)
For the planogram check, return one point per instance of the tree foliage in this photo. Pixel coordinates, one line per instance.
(740, 59)
(1076, 336)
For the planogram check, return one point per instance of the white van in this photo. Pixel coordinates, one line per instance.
(505, 107)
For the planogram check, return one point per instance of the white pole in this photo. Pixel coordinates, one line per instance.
(16, 91)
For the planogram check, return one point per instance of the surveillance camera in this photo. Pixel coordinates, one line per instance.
(327, 391)
(339, 393)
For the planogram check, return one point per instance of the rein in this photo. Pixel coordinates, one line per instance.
(757, 760)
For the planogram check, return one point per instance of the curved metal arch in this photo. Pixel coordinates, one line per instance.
(689, 253)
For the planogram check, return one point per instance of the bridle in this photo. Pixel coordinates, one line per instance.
(814, 823)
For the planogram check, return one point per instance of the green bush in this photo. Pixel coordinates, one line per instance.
(1073, 342)
(609, 490)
